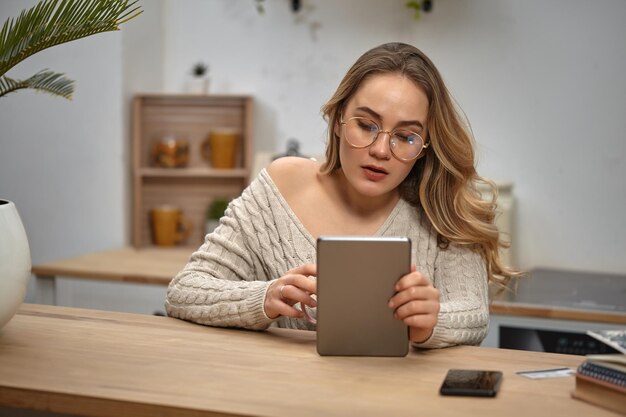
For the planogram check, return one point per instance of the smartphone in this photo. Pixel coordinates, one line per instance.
(471, 382)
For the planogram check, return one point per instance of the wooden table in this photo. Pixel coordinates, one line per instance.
(97, 363)
(150, 265)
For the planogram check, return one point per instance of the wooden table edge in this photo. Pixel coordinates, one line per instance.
(548, 312)
(51, 271)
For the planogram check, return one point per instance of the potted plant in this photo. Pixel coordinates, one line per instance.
(199, 81)
(214, 214)
(48, 23)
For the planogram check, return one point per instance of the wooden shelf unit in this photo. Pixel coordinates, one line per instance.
(195, 186)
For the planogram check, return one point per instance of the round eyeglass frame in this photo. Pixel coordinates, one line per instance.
(388, 132)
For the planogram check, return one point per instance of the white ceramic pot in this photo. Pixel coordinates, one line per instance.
(14, 261)
(198, 85)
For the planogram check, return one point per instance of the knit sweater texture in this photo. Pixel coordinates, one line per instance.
(260, 238)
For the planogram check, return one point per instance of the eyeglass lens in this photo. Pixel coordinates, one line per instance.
(361, 132)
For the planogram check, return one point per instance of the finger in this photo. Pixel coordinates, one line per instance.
(293, 295)
(421, 321)
(418, 314)
(306, 270)
(284, 309)
(417, 308)
(411, 279)
(300, 281)
(295, 286)
(414, 293)
(277, 291)
(276, 305)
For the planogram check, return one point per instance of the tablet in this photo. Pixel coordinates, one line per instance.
(355, 280)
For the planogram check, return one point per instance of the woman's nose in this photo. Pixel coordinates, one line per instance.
(380, 147)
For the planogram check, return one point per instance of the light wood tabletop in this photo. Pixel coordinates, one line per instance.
(150, 265)
(97, 363)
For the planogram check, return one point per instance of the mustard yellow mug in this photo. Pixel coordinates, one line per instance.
(221, 148)
(169, 226)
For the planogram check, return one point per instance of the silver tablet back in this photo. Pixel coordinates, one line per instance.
(355, 280)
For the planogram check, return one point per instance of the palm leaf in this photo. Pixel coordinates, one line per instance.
(53, 22)
(47, 81)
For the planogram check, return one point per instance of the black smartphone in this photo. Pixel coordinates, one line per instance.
(471, 382)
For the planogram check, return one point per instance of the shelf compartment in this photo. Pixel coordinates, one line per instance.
(194, 187)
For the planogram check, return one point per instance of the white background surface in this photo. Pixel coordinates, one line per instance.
(542, 83)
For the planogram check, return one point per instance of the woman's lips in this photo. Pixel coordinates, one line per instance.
(374, 173)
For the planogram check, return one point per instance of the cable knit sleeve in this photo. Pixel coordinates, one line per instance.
(223, 283)
(461, 277)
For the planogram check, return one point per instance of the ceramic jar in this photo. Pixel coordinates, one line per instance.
(15, 263)
(170, 152)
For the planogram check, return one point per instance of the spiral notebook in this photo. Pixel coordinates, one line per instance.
(607, 368)
(601, 380)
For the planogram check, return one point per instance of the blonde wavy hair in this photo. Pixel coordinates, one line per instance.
(443, 182)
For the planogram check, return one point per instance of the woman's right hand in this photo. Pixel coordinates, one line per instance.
(293, 287)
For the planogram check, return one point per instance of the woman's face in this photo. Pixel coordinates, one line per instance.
(391, 101)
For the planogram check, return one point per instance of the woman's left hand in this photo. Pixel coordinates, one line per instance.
(416, 303)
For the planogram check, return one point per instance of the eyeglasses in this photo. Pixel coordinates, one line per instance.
(361, 132)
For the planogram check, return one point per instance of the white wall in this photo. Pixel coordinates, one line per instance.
(63, 162)
(543, 85)
(541, 81)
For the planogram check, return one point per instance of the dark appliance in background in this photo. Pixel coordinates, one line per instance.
(552, 341)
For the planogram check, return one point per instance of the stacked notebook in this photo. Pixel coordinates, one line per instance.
(601, 379)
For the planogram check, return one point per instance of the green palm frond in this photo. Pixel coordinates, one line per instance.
(50, 23)
(53, 22)
(47, 81)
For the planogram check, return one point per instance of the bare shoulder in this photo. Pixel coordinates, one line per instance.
(292, 174)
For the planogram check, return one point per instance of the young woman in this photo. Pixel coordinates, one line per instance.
(399, 162)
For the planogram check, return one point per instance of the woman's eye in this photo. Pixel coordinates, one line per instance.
(407, 137)
(370, 127)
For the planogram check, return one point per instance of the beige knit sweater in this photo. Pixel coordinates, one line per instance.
(260, 238)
